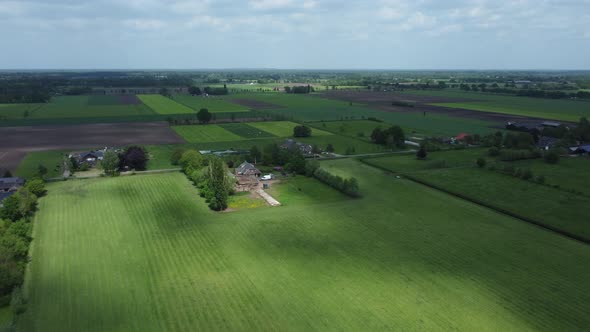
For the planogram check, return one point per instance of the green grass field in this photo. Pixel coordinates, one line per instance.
(294, 100)
(205, 133)
(563, 110)
(52, 160)
(163, 105)
(74, 107)
(284, 128)
(542, 203)
(213, 104)
(246, 130)
(145, 253)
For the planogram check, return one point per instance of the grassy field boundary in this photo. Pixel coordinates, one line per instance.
(484, 204)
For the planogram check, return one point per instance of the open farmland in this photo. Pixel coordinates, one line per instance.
(145, 253)
(74, 107)
(23, 149)
(455, 171)
(563, 110)
(246, 130)
(164, 105)
(284, 128)
(213, 104)
(205, 133)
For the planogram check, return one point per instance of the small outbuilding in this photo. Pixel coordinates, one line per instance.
(11, 184)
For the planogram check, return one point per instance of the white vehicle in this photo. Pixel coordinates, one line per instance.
(266, 177)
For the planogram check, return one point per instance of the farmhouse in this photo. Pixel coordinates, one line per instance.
(546, 143)
(90, 158)
(461, 136)
(291, 145)
(8, 186)
(11, 184)
(582, 149)
(247, 176)
(247, 169)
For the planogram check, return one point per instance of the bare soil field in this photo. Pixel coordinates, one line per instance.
(255, 104)
(383, 100)
(17, 141)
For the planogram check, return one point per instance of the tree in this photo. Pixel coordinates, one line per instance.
(41, 170)
(421, 154)
(36, 186)
(176, 155)
(255, 154)
(330, 148)
(134, 157)
(296, 163)
(191, 161)
(218, 185)
(204, 116)
(301, 131)
(110, 163)
(481, 162)
(551, 157)
(164, 92)
(194, 90)
(11, 208)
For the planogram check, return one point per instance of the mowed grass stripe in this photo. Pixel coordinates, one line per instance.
(403, 257)
(284, 128)
(205, 133)
(246, 131)
(164, 105)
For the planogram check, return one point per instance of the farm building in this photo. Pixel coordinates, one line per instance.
(582, 149)
(8, 186)
(247, 176)
(90, 158)
(11, 184)
(546, 143)
(247, 169)
(461, 136)
(291, 144)
(551, 124)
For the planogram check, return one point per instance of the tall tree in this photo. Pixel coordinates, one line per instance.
(204, 116)
(110, 163)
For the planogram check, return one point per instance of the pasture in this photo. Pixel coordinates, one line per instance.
(75, 107)
(205, 133)
(284, 128)
(456, 172)
(164, 105)
(246, 130)
(562, 110)
(145, 253)
(213, 104)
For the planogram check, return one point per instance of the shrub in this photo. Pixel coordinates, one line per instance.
(36, 187)
(481, 162)
(348, 186)
(493, 152)
(421, 154)
(527, 174)
(301, 131)
(176, 155)
(551, 157)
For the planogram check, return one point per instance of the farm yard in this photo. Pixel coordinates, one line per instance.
(331, 267)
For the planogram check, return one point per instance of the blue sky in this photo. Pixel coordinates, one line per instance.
(302, 34)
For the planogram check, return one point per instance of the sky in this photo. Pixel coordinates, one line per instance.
(295, 34)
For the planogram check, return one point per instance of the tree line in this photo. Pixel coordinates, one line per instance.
(15, 237)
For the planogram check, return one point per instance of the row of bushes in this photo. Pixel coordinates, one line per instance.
(15, 238)
(348, 186)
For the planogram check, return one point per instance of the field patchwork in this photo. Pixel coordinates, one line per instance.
(164, 105)
(205, 133)
(284, 128)
(213, 104)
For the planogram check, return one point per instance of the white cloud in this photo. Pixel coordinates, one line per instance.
(270, 4)
(145, 24)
